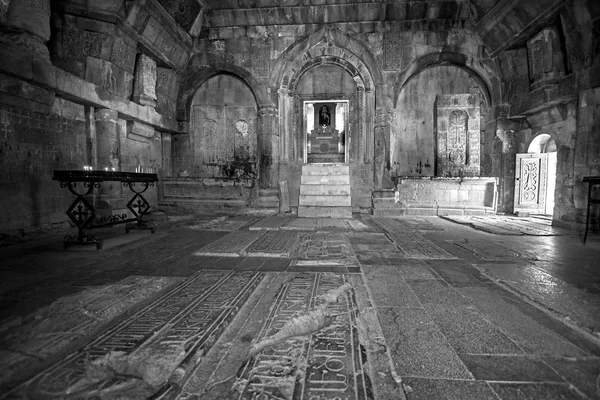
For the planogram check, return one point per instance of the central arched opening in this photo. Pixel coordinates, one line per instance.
(326, 92)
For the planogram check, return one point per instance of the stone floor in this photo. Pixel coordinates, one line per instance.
(363, 308)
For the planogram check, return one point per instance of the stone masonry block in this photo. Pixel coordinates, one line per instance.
(25, 90)
(15, 62)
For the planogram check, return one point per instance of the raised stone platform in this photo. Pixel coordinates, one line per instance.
(437, 196)
(222, 195)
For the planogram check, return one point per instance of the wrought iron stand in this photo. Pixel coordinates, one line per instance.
(83, 214)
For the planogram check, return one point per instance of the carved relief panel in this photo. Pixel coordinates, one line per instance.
(261, 56)
(458, 135)
(224, 141)
(167, 81)
(515, 69)
(392, 51)
(546, 60)
(530, 182)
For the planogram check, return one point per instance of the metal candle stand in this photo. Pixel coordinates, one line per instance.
(83, 213)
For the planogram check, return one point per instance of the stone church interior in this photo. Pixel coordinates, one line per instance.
(300, 199)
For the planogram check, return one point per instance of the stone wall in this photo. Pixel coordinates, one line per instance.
(33, 145)
(68, 98)
(134, 68)
(547, 81)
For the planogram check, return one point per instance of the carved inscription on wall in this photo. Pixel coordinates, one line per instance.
(392, 52)
(182, 11)
(261, 52)
(514, 69)
(545, 56)
(145, 83)
(123, 55)
(225, 141)
(212, 151)
(458, 135)
(167, 81)
(78, 43)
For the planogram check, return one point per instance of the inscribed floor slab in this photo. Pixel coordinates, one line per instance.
(231, 245)
(173, 332)
(274, 244)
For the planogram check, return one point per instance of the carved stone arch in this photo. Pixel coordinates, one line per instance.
(485, 78)
(190, 86)
(319, 55)
(338, 44)
(326, 47)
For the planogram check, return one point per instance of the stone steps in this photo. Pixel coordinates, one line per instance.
(325, 191)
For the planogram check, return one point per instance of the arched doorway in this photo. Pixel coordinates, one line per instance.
(327, 92)
(545, 144)
(325, 69)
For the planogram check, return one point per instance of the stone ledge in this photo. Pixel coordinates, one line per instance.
(36, 71)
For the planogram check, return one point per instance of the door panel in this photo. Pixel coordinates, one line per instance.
(530, 183)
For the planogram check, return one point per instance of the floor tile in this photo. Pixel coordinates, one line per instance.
(437, 292)
(533, 391)
(529, 334)
(583, 373)
(434, 389)
(417, 346)
(509, 368)
(388, 288)
(468, 331)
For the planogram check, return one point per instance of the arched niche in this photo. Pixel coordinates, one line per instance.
(198, 76)
(222, 140)
(415, 134)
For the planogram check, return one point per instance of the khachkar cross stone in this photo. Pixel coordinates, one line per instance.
(458, 135)
(144, 91)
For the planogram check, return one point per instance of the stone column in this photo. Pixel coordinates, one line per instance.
(381, 163)
(268, 147)
(26, 25)
(107, 156)
(144, 91)
(506, 131)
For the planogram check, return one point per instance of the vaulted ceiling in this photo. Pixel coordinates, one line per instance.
(501, 23)
(220, 13)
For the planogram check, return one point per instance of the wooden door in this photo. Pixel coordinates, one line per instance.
(531, 177)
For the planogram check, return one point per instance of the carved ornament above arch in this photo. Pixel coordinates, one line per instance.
(327, 46)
